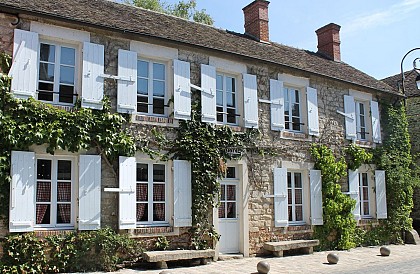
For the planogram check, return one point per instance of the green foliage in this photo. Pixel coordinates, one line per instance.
(394, 157)
(356, 156)
(371, 236)
(99, 250)
(161, 243)
(183, 9)
(339, 224)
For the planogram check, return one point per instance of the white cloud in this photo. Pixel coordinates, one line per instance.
(391, 14)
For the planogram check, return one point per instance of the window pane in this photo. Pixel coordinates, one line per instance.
(296, 95)
(223, 193)
(299, 215)
(142, 69)
(219, 98)
(230, 84)
(158, 71)
(46, 72)
(298, 180)
(222, 210)
(67, 75)
(289, 196)
(219, 114)
(366, 208)
(158, 106)
(364, 179)
(63, 192)
(365, 193)
(142, 173)
(158, 212)
(47, 53)
(296, 110)
(230, 99)
(63, 213)
(286, 95)
(296, 124)
(158, 88)
(45, 96)
(141, 193)
(158, 192)
(231, 192)
(43, 192)
(158, 173)
(142, 104)
(142, 86)
(289, 179)
(361, 109)
(298, 196)
(290, 213)
(231, 115)
(64, 170)
(219, 82)
(66, 94)
(230, 173)
(45, 86)
(43, 213)
(68, 56)
(231, 210)
(142, 213)
(43, 170)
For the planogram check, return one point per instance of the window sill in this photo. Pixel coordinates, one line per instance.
(364, 143)
(154, 120)
(299, 228)
(154, 231)
(290, 135)
(45, 233)
(365, 221)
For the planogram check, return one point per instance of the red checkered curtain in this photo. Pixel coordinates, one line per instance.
(141, 192)
(159, 212)
(230, 197)
(159, 195)
(141, 210)
(43, 194)
(64, 213)
(40, 213)
(64, 192)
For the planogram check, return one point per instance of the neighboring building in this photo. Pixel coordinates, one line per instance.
(64, 50)
(413, 113)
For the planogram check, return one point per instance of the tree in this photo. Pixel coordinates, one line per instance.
(183, 9)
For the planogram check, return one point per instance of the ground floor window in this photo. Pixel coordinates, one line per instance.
(364, 195)
(54, 192)
(295, 196)
(151, 193)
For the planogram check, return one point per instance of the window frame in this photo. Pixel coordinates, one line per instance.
(293, 191)
(225, 107)
(57, 63)
(363, 199)
(150, 201)
(230, 181)
(150, 96)
(359, 120)
(54, 181)
(289, 90)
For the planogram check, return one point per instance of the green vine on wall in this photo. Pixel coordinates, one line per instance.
(24, 123)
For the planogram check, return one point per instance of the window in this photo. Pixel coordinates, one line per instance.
(295, 196)
(364, 195)
(292, 109)
(226, 99)
(151, 87)
(361, 120)
(151, 204)
(228, 196)
(57, 72)
(54, 192)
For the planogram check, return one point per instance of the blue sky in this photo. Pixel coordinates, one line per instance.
(374, 34)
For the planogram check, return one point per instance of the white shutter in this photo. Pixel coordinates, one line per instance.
(24, 69)
(316, 197)
(208, 95)
(381, 209)
(354, 191)
(127, 84)
(182, 90)
(182, 194)
(22, 192)
(93, 81)
(277, 105)
(250, 101)
(89, 192)
(313, 119)
(127, 195)
(281, 217)
(350, 111)
(376, 125)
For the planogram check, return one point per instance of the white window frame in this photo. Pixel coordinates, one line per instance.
(293, 191)
(289, 90)
(53, 210)
(150, 95)
(362, 118)
(225, 76)
(363, 199)
(365, 99)
(57, 64)
(150, 202)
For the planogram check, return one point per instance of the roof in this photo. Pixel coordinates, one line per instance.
(129, 19)
(409, 83)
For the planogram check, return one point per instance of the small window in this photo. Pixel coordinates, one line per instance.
(151, 87)
(361, 113)
(292, 109)
(295, 196)
(151, 193)
(57, 73)
(226, 99)
(364, 195)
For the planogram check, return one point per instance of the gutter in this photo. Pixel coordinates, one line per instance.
(16, 11)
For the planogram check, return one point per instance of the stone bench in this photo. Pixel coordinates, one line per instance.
(277, 248)
(161, 257)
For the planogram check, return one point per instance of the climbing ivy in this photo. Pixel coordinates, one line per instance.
(395, 158)
(24, 123)
(356, 156)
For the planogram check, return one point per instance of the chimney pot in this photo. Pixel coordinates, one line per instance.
(256, 20)
(329, 41)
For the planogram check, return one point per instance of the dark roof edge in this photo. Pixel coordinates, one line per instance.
(13, 10)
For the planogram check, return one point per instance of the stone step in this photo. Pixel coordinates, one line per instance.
(227, 257)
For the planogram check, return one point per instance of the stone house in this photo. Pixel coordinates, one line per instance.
(64, 50)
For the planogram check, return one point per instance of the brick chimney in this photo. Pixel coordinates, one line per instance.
(329, 41)
(256, 20)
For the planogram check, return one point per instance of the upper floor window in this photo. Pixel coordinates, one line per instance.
(54, 192)
(361, 120)
(295, 196)
(151, 204)
(226, 99)
(57, 72)
(292, 109)
(151, 87)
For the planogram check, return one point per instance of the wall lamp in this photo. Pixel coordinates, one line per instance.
(416, 68)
